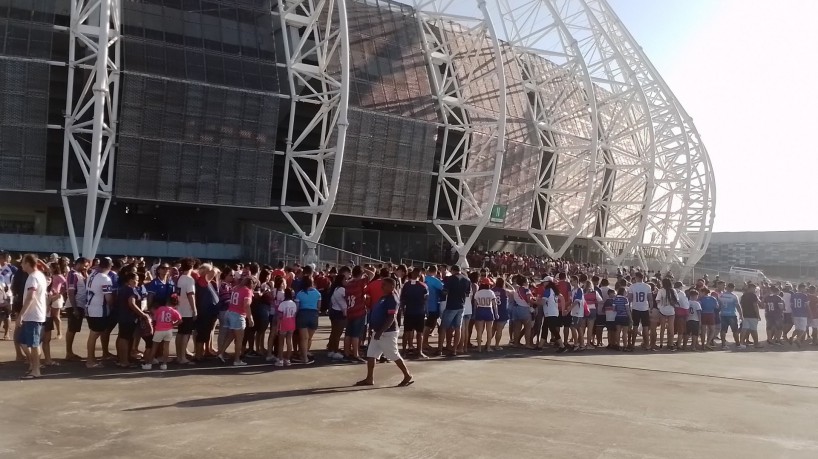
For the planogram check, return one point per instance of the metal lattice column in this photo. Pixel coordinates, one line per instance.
(91, 117)
(452, 43)
(681, 214)
(317, 53)
(563, 111)
(625, 132)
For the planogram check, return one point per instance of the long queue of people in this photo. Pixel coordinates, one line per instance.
(272, 313)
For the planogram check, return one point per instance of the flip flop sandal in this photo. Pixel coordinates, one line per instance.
(405, 383)
(29, 377)
(364, 383)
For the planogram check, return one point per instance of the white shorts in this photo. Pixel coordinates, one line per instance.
(164, 335)
(800, 323)
(387, 345)
(750, 324)
(59, 303)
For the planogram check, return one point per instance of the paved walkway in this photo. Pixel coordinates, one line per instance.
(521, 404)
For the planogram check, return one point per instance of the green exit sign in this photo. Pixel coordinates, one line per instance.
(498, 213)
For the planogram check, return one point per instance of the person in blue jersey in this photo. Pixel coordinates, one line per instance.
(623, 320)
(710, 305)
(308, 301)
(501, 293)
(435, 288)
(413, 298)
(800, 314)
(385, 336)
(730, 314)
(774, 315)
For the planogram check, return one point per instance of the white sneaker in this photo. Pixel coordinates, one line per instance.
(155, 362)
(279, 363)
(163, 367)
(240, 363)
(287, 363)
(147, 366)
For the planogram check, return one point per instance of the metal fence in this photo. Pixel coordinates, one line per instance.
(267, 246)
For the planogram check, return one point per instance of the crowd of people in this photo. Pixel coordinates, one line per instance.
(272, 313)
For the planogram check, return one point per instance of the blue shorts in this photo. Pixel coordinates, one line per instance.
(356, 327)
(451, 318)
(591, 315)
(522, 313)
(307, 318)
(234, 321)
(484, 314)
(30, 334)
(729, 322)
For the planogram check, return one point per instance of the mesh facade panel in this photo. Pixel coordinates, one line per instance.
(199, 114)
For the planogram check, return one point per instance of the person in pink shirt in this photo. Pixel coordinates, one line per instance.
(56, 295)
(164, 318)
(237, 318)
(287, 311)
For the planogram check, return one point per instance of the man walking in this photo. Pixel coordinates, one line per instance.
(385, 338)
(33, 314)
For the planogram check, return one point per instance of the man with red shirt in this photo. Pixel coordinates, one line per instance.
(355, 291)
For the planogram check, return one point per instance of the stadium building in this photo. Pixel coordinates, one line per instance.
(393, 129)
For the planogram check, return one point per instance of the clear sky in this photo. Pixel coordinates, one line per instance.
(745, 71)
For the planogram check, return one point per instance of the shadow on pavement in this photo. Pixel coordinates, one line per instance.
(252, 397)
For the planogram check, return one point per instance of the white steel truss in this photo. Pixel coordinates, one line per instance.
(473, 132)
(625, 133)
(316, 45)
(681, 211)
(91, 116)
(563, 112)
(667, 210)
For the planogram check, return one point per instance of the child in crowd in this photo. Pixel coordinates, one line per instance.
(164, 318)
(693, 320)
(610, 318)
(286, 326)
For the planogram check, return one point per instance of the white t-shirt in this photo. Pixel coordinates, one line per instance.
(484, 298)
(550, 306)
(665, 304)
(695, 311)
(578, 303)
(287, 309)
(99, 285)
(338, 300)
(186, 285)
(36, 285)
(684, 303)
(641, 296)
(787, 297)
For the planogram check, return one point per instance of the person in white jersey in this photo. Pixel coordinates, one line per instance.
(99, 298)
(641, 298)
(33, 315)
(187, 308)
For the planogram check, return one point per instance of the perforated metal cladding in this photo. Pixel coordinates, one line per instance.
(390, 145)
(190, 143)
(387, 165)
(23, 120)
(184, 141)
(474, 63)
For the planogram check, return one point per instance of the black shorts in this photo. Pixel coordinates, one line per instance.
(5, 313)
(204, 327)
(17, 306)
(692, 328)
(127, 330)
(75, 316)
(187, 325)
(566, 320)
(640, 317)
(98, 324)
(431, 319)
(49, 324)
(414, 322)
(553, 324)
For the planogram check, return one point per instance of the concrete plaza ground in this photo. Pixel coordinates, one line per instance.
(750, 404)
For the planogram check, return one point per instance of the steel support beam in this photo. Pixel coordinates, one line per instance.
(91, 116)
(453, 45)
(316, 45)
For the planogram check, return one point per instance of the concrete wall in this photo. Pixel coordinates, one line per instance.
(60, 244)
